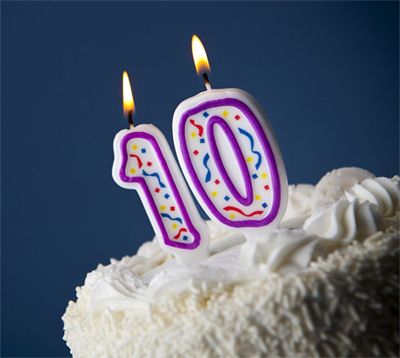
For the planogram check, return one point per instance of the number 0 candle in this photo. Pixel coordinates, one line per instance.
(144, 162)
(229, 155)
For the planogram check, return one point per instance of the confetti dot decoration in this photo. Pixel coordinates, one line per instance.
(205, 164)
(251, 140)
(138, 160)
(155, 175)
(180, 232)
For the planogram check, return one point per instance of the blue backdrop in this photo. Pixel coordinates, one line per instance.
(326, 73)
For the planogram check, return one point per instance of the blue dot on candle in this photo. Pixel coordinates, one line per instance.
(205, 114)
(166, 196)
(202, 140)
(185, 238)
(264, 205)
(143, 150)
(226, 197)
(254, 176)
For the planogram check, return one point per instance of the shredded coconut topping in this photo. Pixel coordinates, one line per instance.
(328, 288)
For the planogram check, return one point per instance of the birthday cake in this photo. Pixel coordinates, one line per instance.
(325, 284)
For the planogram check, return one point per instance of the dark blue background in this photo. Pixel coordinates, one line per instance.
(326, 73)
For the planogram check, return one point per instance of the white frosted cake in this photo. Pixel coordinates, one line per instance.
(323, 285)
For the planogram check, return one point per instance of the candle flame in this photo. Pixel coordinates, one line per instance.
(128, 103)
(199, 56)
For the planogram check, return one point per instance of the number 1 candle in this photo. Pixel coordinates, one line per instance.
(144, 162)
(229, 155)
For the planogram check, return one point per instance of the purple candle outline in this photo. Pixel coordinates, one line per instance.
(262, 136)
(142, 183)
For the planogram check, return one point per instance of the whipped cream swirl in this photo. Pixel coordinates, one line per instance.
(347, 204)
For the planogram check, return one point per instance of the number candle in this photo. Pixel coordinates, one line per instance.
(229, 155)
(144, 162)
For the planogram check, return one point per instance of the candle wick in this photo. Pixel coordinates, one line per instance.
(130, 119)
(206, 81)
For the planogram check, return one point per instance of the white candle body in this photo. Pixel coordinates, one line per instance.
(143, 161)
(231, 160)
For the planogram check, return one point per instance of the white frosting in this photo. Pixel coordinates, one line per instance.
(382, 192)
(279, 251)
(334, 215)
(304, 199)
(344, 221)
(299, 203)
(127, 284)
(333, 184)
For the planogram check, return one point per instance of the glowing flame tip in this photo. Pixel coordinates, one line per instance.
(128, 103)
(199, 56)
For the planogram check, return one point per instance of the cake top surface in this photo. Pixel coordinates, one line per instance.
(322, 284)
(347, 204)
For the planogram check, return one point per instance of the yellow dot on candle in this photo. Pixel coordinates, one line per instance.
(133, 170)
(134, 147)
(249, 159)
(214, 194)
(225, 113)
(162, 207)
(232, 216)
(264, 175)
(174, 226)
(257, 197)
(194, 134)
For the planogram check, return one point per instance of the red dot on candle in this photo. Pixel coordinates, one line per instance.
(266, 187)
(216, 181)
(195, 152)
(237, 117)
(149, 164)
(172, 208)
(157, 190)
